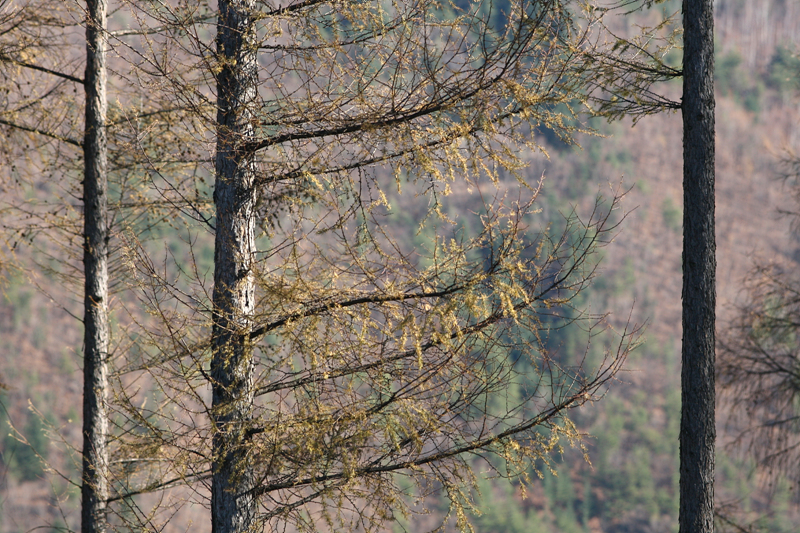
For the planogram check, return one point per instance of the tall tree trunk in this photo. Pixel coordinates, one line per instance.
(232, 503)
(697, 432)
(94, 488)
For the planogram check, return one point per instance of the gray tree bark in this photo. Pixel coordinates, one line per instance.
(232, 500)
(698, 433)
(94, 487)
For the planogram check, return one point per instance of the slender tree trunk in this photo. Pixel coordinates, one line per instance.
(232, 503)
(94, 488)
(697, 434)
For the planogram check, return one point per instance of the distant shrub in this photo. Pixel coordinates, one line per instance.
(731, 80)
(21, 459)
(673, 217)
(750, 98)
(783, 72)
(727, 75)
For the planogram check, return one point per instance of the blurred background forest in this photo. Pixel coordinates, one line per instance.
(631, 483)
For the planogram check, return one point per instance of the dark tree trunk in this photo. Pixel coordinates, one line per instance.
(94, 488)
(697, 432)
(232, 502)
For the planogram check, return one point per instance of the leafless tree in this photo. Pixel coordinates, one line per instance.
(759, 356)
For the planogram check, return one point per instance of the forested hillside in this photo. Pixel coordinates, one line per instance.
(626, 478)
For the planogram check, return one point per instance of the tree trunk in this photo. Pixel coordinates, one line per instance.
(697, 432)
(94, 488)
(232, 501)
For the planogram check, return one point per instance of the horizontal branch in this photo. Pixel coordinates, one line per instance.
(292, 8)
(386, 119)
(178, 24)
(42, 69)
(373, 298)
(42, 132)
(364, 37)
(574, 400)
(162, 485)
(354, 126)
(448, 137)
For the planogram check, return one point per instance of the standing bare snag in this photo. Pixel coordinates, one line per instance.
(698, 432)
(41, 57)
(31, 109)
